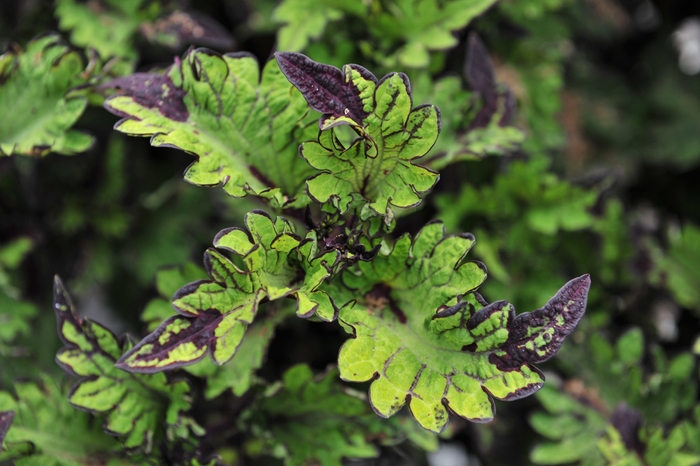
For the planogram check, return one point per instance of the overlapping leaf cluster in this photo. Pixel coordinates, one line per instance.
(406, 31)
(376, 167)
(137, 407)
(244, 127)
(214, 314)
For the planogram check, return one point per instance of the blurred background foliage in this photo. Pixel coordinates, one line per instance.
(597, 173)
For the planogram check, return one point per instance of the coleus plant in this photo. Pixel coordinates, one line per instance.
(420, 331)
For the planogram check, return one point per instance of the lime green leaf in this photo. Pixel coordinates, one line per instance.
(423, 26)
(245, 129)
(307, 420)
(214, 314)
(305, 20)
(136, 405)
(35, 413)
(423, 334)
(377, 166)
(38, 99)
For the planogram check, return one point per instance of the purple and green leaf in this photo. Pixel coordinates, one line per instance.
(424, 335)
(485, 122)
(377, 166)
(136, 406)
(244, 127)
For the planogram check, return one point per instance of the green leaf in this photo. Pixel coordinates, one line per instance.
(423, 334)
(39, 101)
(214, 314)
(14, 319)
(677, 268)
(244, 128)
(377, 166)
(630, 347)
(136, 406)
(423, 26)
(305, 20)
(108, 26)
(45, 426)
(572, 427)
(307, 420)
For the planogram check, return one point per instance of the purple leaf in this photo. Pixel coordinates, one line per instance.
(6, 418)
(536, 336)
(326, 88)
(480, 74)
(151, 90)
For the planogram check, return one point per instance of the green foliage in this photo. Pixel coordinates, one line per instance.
(423, 26)
(34, 439)
(307, 420)
(306, 20)
(14, 313)
(551, 170)
(581, 432)
(136, 406)
(243, 127)
(41, 100)
(677, 268)
(107, 26)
